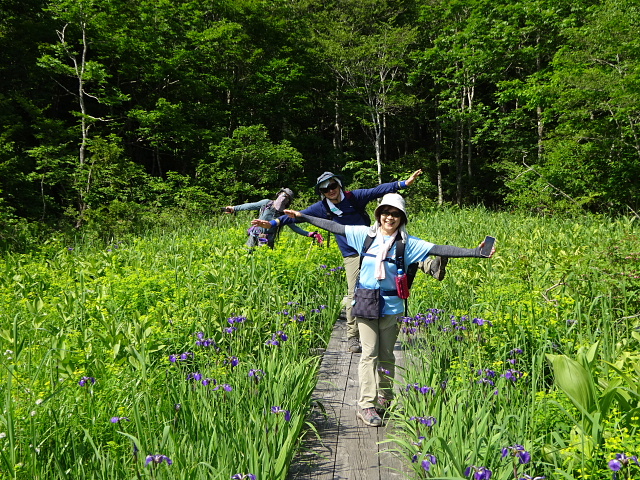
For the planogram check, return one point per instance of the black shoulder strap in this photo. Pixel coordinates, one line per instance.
(365, 246)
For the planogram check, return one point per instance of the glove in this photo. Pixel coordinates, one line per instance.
(317, 237)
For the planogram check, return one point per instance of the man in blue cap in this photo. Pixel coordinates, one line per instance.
(349, 208)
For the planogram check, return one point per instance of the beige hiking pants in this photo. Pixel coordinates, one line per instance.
(377, 366)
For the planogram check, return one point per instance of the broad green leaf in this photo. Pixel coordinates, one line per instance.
(574, 380)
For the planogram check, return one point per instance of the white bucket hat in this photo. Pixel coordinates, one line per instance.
(391, 200)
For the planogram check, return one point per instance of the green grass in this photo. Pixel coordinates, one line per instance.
(117, 311)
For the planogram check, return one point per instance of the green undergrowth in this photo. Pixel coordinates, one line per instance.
(180, 344)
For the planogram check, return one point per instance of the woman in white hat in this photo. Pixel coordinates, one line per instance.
(378, 272)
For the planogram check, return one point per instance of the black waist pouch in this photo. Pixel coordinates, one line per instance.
(366, 303)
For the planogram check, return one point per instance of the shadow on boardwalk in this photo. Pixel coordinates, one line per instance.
(347, 449)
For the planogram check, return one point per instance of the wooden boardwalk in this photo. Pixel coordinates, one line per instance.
(347, 449)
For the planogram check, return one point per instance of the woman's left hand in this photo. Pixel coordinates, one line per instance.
(292, 213)
(413, 177)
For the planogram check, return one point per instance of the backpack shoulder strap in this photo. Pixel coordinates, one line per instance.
(367, 244)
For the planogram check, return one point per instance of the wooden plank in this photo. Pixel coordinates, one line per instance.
(316, 461)
(392, 464)
(356, 453)
(347, 448)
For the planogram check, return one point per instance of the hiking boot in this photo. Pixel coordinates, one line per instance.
(438, 267)
(354, 345)
(369, 416)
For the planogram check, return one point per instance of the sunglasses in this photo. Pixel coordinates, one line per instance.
(391, 213)
(331, 186)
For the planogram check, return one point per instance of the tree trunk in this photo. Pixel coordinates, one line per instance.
(378, 145)
(439, 162)
(337, 127)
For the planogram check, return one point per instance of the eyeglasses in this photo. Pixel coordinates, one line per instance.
(391, 213)
(331, 186)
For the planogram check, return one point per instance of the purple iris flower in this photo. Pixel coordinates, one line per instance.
(428, 421)
(119, 419)
(479, 473)
(279, 410)
(517, 451)
(622, 460)
(86, 381)
(225, 386)
(512, 375)
(158, 459)
(244, 476)
(481, 321)
(283, 336)
(233, 361)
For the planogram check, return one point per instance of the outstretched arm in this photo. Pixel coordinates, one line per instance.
(457, 252)
(322, 223)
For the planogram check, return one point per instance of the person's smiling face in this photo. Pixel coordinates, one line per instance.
(390, 220)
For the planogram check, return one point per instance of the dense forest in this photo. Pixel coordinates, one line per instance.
(113, 107)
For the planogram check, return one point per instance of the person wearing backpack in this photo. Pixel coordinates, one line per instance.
(270, 209)
(349, 208)
(378, 301)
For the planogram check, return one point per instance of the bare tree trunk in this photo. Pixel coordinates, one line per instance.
(384, 137)
(337, 127)
(79, 66)
(470, 97)
(540, 125)
(459, 146)
(378, 144)
(439, 163)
